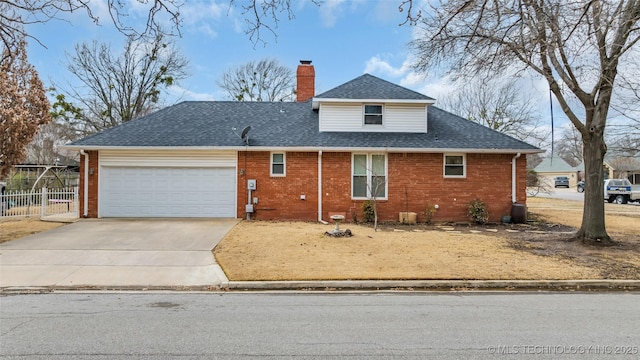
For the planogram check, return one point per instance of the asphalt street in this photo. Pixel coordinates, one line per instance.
(311, 326)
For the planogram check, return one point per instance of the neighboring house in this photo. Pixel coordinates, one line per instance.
(318, 156)
(550, 168)
(625, 167)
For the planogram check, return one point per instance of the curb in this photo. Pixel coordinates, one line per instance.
(440, 285)
(361, 286)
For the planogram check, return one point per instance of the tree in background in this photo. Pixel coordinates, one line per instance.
(569, 146)
(265, 80)
(118, 88)
(498, 105)
(577, 47)
(23, 105)
(17, 15)
(45, 146)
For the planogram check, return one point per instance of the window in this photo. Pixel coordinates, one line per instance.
(455, 166)
(278, 164)
(369, 176)
(373, 114)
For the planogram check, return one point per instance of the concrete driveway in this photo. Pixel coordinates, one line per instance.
(117, 253)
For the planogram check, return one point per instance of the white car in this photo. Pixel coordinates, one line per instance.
(620, 191)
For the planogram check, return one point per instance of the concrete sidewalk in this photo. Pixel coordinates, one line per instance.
(117, 254)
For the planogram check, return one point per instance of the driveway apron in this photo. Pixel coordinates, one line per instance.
(117, 253)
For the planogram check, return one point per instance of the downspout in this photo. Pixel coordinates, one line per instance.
(85, 192)
(320, 188)
(513, 178)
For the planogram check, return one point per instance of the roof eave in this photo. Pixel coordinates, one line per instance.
(309, 149)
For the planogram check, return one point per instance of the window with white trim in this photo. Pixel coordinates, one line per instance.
(455, 165)
(278, 164)
(373, 114)
(369, 176)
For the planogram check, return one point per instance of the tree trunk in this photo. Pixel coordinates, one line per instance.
(375, 215)
(593, 231)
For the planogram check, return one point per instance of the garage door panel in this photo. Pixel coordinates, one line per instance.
(167, 192)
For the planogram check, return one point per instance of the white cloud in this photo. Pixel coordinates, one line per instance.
(330, 11)
(434, 87)
(439, 88)
(195, 13)
(178, 93)
(377, 65)
(201, 17)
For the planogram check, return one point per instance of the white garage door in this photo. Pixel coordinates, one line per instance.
(130, 191)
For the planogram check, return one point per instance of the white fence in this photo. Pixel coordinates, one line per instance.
(40, 202)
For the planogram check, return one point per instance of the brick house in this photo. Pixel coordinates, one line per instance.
(308, 159)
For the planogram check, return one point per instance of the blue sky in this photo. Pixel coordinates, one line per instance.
(344, 39)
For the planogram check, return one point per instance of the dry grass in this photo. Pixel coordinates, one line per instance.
(11, 229)
(299, 251)
(624, 219)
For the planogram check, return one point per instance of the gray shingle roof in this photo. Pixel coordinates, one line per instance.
(286, 124)
(370, 87)
(295, 125)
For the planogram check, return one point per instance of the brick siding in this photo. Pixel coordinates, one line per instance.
(93, 185)
(415, 181)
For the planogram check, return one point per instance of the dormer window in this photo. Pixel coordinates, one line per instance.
(373, 114)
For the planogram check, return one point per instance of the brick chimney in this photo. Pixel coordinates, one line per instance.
(306, 79)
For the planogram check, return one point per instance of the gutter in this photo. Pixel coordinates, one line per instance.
(311, 149)
(85, 192)
(513, 178)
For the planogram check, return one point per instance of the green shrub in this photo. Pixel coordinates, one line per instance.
(478, 212)
(368, 212)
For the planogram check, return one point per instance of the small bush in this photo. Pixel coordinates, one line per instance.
(478, 212)
(428, 213)
(368, 213)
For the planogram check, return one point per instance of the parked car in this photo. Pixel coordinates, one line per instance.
(580, 187)
(562, 181)
(620, 191)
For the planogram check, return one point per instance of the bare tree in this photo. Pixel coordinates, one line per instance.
(23, 105)
(17, 15)
(498, 105)
(44, 148)
(265, 80)
(370, 181)
(119, 88)
(624, 133)
(577, 46)
(264, 15)
(569, 147)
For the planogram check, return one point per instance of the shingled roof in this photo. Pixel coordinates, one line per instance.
(370, 87)
(295, 125)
